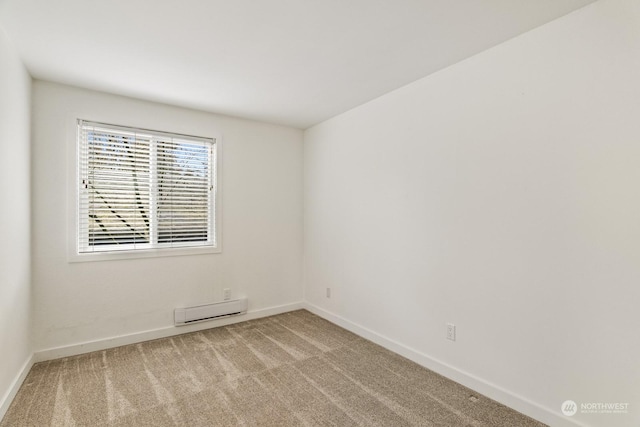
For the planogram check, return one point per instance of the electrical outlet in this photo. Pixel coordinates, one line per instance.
(451, 331)
(328, 292)
(226, 294)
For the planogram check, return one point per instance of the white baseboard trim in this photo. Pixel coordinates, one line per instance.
(15, 386)
(492, 391)
(137, 337)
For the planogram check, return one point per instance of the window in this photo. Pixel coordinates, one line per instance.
(141, 190)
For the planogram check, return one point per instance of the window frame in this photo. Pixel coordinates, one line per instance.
(74, 196)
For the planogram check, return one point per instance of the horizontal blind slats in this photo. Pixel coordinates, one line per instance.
(142, 189)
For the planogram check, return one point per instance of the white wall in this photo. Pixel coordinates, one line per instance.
(15, 233)
(261, 225)
(501, 194)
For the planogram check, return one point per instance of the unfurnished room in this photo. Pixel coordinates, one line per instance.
(320, 213)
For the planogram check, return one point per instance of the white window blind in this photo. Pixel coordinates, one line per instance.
(141, 189)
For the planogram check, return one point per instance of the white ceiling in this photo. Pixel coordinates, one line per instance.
(292, 62)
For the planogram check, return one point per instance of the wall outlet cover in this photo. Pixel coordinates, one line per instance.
(451, 331)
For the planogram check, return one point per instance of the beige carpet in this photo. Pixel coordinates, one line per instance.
(286, 370)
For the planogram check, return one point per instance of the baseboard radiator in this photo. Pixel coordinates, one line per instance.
(202, 313)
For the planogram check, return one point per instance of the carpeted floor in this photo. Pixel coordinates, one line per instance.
(286, 370)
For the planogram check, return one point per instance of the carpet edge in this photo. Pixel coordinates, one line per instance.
(137, 337)
(490, 390)
(10, 394)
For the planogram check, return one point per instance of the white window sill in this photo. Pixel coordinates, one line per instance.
(144, 253)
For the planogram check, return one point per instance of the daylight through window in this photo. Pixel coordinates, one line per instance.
(141, 189)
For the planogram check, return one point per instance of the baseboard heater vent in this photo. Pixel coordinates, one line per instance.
(201, 313)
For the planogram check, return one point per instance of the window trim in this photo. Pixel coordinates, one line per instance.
(73, 201)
